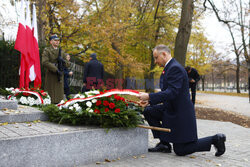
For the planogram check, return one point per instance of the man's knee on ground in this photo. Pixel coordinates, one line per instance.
(180, 152)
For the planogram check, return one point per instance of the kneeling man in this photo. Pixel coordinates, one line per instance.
(172, 108)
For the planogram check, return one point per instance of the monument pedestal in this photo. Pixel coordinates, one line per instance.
(47, 144)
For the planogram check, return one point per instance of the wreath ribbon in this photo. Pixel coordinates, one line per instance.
(17, 90)
(107, 93)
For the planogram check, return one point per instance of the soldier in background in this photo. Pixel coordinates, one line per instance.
(193, 77)
(53, 59)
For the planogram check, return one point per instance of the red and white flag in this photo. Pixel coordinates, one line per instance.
(38, 80)
(20, 46)
(30, 72)
(27, 44)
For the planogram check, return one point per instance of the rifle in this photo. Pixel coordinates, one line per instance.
(61, 65)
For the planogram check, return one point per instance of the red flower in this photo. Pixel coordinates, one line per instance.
(44, 94)
(126, 104)
(111, 105)
(97, 111)
(117, 110)
(122, 99)
(106, 109)
(105, 103)
(117, 97)
(99, 102)
(26, 94)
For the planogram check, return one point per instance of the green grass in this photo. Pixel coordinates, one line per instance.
(226, 93)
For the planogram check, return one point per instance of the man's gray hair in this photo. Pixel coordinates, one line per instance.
(162, 48)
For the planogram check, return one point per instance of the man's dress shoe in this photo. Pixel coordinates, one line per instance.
(220, 144)
(161, 148)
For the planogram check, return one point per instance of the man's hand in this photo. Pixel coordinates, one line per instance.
(143, 96)
(143, 103)
(192, 81)
(70, 73)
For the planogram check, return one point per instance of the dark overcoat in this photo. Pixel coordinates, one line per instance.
(94, 71)
(51, 83)
(179, 114)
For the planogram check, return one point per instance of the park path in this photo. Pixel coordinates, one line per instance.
(237, 150)
(235, 104)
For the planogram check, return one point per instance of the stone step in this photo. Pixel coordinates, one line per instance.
(8, 104)
(22, 114)
(48, 144)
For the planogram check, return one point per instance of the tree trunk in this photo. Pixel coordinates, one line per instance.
(41, 34)
(248, 66)
(238, 74)
(150, 77)
(184, 31)
(203, 82)
(212, 79)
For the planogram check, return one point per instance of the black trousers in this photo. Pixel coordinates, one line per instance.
(67, 92)
(154, 117)
(203, 144)
(193, 92)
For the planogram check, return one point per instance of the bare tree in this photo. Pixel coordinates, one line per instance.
(233, 24)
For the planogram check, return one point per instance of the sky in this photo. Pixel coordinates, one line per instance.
(216, 32)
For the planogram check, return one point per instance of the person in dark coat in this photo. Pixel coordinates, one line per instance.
(93, 74)
(193, 77)
(172, 108)
(67, 74)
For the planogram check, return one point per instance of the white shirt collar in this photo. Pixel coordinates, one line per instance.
(167, 62)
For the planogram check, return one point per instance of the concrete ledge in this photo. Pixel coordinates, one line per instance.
(72, 148)
(22, 114)
(9, 104)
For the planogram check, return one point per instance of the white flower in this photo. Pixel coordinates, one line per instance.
(94, 101)
(89, 104)
(71, 107)
(37, 102)
(82, 96)
(92, 92)
(76, 105)
(23, 100)
(78, 109)
(77, 96)
(9, 89)
(91, 110)
(31, 99)
(60, 107)
(62, 101)
(46, 101)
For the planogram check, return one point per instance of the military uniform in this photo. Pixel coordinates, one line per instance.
(51, 84)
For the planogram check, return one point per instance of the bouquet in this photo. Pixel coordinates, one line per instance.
(31, 97)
